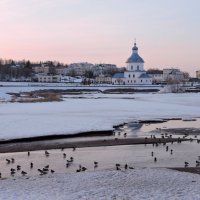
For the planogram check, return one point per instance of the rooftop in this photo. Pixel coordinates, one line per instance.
(135, 58)
(118, 75)
(145, 76)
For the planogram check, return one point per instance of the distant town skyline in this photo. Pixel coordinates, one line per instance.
(102, 31)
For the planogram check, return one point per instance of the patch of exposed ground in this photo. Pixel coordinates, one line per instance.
(45, 95)
(57, 94)
(32, 144)
(33, 97)
(181, 131)
(127, 90)
(195, 170)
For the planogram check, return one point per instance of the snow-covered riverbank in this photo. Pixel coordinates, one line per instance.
(133, 184)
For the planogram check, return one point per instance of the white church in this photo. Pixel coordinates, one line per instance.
(135, 73)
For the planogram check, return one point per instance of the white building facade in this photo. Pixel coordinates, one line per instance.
(135, 73)
(79, 69)
(157, 77)
(49, 78)
(173, 74)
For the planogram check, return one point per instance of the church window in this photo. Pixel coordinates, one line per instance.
(134, 81)
(131, 81)
(128, 81)
(129, 75)
(133, 75)
(131, 67)
(138, 67)
(141, 81)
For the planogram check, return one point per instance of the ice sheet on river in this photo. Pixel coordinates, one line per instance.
(78, 115)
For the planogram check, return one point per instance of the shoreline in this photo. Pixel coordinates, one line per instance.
(58, 136)
(58, 141)
(47, 144)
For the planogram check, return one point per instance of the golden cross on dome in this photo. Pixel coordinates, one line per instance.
(135, 41)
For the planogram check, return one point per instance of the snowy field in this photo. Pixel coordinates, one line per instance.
(78, 115)
(106, 185)
(98, 112)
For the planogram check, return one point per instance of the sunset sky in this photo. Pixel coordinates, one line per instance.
(167, 31)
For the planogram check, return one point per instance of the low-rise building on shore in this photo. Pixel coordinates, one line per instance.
(49, 78)
(101, 79)
(173, 74)
(198, 74)
(167, 75)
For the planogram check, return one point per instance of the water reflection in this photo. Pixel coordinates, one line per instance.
(107, 157)
(137, 129)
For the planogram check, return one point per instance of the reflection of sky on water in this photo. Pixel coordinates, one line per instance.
(145, 129)
(172, 124)
(137, 130)
(134, 155)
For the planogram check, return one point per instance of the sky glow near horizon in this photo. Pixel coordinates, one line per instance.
(167, 32)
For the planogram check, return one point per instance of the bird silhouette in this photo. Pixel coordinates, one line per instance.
(23, 173)
(31, 165)
(186, 164)
(126, 166)
(47, 153)
(8, 161)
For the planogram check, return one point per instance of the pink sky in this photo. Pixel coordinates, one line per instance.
(103, 31)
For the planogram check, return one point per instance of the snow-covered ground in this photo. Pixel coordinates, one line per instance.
(77, 115)
(106, 185)
(100, 112)
(32, 84)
